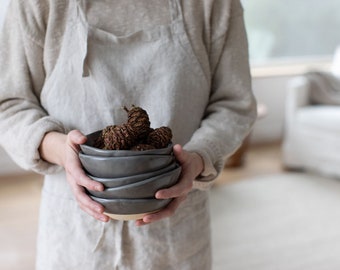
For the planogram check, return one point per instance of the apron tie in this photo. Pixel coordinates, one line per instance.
(100, 239)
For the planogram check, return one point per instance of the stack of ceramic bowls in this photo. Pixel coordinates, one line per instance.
(131, 178)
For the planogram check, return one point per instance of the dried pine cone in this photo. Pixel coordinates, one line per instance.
(142, 147)
(106, 133)
(139, 121)
(120, 137)
(99, 142)
(136, 134)
(160, 137)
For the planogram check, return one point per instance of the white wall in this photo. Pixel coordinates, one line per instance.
(270, 91)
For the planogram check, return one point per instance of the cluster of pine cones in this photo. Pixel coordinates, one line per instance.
(136, 134)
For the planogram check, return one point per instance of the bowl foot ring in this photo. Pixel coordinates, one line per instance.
(128, 216)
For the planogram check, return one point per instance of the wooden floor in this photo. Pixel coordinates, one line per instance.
(20, 196)
(259, 160)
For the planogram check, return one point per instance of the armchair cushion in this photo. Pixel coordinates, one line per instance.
(321, 117)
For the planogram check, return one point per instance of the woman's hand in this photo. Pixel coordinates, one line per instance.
(192, 165)
(63, 150)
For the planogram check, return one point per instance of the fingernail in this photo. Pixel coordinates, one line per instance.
(160, 195)
(147, 219)
(103, 219)
(139, 223)
(98, 188)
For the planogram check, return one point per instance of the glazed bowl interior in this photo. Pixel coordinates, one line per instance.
(88, 148)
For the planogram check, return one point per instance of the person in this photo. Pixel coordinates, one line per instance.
(68, 68)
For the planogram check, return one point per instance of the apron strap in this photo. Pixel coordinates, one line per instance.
(177, 18)
(83, 29)
(175, 10)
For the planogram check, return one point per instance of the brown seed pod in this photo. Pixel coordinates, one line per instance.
(136, 134)
(160, 137)
(138, 120)
(142, 147)
(99, 142)
(120, 137)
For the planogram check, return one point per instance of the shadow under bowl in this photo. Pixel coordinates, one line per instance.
(121, 181)
(127, 209)
(88, 148)
(142, 189)
(110, 167)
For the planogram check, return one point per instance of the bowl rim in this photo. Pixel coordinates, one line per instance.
(166, 169)
(141, 200)
(100, 158)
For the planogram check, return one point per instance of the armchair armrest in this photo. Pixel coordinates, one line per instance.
(298, 90)
(297, 96)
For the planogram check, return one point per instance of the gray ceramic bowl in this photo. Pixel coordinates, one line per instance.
(109, 167)
(121, 181)
(131, 206)
(89, 149)
(142, 189)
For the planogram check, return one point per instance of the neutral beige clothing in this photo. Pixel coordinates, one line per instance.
(73, 64)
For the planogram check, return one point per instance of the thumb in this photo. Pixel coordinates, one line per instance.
(180, 154)
(76, 137)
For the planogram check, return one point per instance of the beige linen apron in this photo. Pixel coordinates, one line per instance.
(96, 74)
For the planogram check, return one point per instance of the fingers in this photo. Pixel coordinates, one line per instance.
(87, 204)
(91, 207)
(184, 186)
(191, 164)
(78, 185)
(189, 160)
(168, 211)
(80, 178)
(185, 182)
(74, 167)
(78, 182)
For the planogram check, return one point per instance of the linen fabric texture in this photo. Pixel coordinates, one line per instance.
(72, 65)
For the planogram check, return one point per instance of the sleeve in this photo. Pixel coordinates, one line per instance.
(23, 121)
(231, 111)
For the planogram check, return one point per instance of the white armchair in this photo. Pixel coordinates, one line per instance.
(311, 138)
